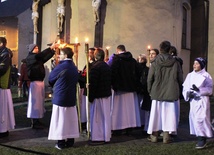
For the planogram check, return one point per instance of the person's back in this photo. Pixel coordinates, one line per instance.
(163, 80)
(100, 72)
(125, 78)
(124, 72)
(164, 77)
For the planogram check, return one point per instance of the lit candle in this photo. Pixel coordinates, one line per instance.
(86, 45)
(76, 40)
(148, 47)
(107, 53)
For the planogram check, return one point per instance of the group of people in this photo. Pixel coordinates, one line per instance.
(123, 94)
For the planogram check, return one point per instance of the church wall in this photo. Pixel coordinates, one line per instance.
(136, 24)
(211, 40)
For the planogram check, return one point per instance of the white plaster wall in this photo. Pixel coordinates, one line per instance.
(136, 24)
(24, 23)
(49, 30)
(211, 40)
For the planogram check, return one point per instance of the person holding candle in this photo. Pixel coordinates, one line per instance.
(64, 120)
(83, 91)
(36, 73)
(144, 97)
(100, 99)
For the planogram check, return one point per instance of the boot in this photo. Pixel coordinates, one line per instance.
(166, 137)
(36, 124)
(202, 142)
(153, 137)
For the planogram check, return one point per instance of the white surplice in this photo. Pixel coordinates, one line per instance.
(199, 116)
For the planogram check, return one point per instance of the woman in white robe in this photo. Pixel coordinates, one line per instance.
(197, 88)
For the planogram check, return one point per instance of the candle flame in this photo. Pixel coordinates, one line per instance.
(76, 40)
(107, 47)
(86, 40)
(61, 44)
(148, 47)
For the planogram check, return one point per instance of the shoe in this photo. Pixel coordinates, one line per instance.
(36, 124)
(59, 147)
(60, 144)
(4, 134)
(153, 139)
(128, 131)
(201, 145)
(70, 142)
(96, 143)
(167, 138)
(117, 132)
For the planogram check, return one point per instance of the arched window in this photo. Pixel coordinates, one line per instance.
(186, 25)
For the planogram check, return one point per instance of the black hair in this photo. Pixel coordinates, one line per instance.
(173, 51)
(156, 51)
(121, 47)
(165, 47)
(68, 51)
(3, 40)
(99, 54)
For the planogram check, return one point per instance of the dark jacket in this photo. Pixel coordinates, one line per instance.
(100, 81)
(63, 79)
(23, 72)
(5, 67)
(125, 73)
(35, 64)
(144, 71)
(165, 76)
(82, 78)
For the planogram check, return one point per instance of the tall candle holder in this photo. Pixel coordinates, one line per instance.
(87, 86)
(148, 49)
(107, 54)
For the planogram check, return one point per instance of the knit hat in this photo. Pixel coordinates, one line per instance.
(201, 61)
(31, 47)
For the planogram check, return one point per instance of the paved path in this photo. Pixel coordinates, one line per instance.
(24, 136)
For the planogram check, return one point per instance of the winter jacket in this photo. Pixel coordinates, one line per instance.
(125, 73)
(144, 70)
(100, 81)
(35, 64)
(63, 79)
(5, 67)
(165, 76)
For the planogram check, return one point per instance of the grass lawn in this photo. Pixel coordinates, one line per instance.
(35, 142)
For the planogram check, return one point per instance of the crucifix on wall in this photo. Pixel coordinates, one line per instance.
(60, 15)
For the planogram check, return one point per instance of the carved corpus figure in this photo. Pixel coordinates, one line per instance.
(96, 10)
(60, 14)
(35, 15)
